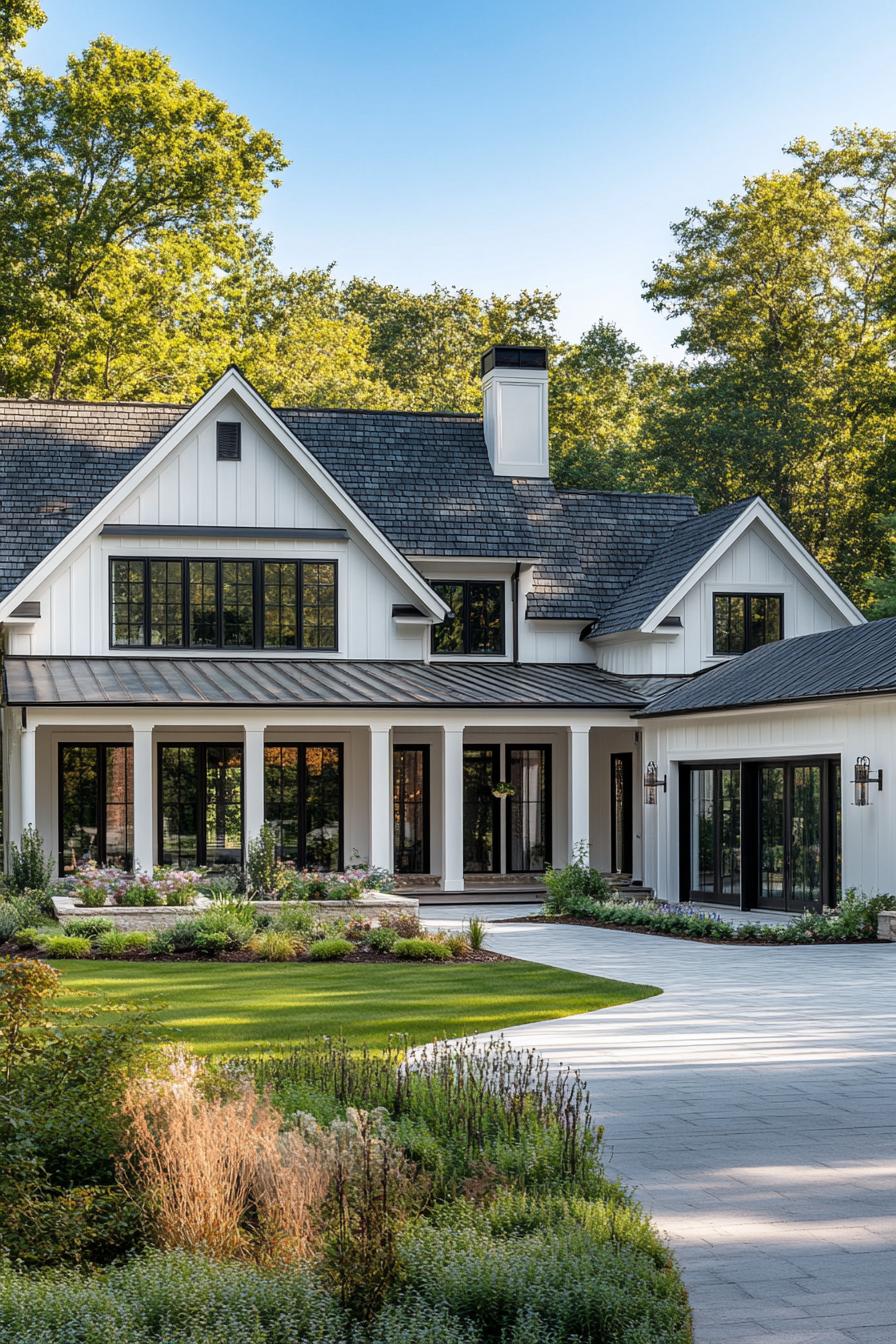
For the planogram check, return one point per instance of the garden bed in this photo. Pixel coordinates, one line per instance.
(129, 918)
(717, 940)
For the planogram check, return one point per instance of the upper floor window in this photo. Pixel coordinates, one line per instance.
(223, 604)
(742, 621)
(477, 623)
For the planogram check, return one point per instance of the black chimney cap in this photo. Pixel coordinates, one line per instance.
(514, 357)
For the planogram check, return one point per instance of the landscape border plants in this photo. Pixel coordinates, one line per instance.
(853, 920)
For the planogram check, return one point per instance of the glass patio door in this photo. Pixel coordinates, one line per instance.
(200, 804)
(791, 830)
(482, 816)
(96, 805)
(528, 809)
(303, 803)
(715, 840)
(410, 809)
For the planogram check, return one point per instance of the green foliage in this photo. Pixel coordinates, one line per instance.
(18, 912)
(475, 929)
(92, 927)
(264, 873)
(138, 894)
(330, 949)
(27, 989)
(421, 949)
(63, 947)
(116, 942)
(29, 867)
(578, 881)
(276, 945)
(381, 940)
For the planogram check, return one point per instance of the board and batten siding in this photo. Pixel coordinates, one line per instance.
(191, 488)
(754, 563)
(841, 728)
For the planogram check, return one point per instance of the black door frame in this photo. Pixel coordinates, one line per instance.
(827, 825)
(626, 757)
(101, 797)
(422, 747)
(495, 749)
(302, 794)
(548, 811)
(750, 822)
(200, 749)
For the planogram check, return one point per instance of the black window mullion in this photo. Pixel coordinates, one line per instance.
(300, 603)
(147, 604)
(302, 771)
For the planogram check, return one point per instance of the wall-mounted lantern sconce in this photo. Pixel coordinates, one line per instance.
(863, 781)
(652, 782)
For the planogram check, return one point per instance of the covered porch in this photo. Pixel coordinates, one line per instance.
(452, 801)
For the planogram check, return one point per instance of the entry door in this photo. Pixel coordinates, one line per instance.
(529, 809)
(621, 812)
(482, 811)
(791, 836)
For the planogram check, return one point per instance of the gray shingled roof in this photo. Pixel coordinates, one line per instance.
(425, 480)
(856, 660)
(673, 559)
(320, 683)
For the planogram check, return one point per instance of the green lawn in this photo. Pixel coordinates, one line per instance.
(237, 1008)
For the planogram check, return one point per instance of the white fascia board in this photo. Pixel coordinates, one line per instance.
(638, 635)
(759, 512)
(232, 382)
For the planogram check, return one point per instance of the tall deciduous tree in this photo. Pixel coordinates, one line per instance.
(791, 390)
(122, 186)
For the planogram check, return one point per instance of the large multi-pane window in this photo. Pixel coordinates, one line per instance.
(476, 625)
(223, 604)
(200, 804)
(743, 621)
(303, 803)
(96, 804)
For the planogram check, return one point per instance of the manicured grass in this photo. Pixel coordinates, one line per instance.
(246, 1007)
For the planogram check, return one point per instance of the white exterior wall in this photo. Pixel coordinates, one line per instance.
(753, 563)
(191, 488)
(843, 728)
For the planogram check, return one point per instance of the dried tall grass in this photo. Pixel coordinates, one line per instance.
(216, 1171)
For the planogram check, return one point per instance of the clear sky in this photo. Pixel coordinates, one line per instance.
(506, 145)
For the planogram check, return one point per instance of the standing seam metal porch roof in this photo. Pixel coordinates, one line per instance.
(307, 684)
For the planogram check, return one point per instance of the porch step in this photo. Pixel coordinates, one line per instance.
(625, 886)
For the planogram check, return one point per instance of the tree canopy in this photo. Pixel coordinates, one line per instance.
(132, 267)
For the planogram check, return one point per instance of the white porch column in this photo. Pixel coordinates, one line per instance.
(253, 782)
(28, 767)
(380, 796)
(452, 809)
(577, 804)
(143, 810)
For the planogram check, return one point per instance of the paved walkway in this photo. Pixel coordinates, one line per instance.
(753, 1107)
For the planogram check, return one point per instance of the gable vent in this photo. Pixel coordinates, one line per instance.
(229, 445)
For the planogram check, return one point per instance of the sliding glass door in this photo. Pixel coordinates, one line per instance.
(715, 835)
(303, 803)
(200, 804)
(96, 807)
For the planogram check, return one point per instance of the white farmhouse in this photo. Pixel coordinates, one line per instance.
(390, 635)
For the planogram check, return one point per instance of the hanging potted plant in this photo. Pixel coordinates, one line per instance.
(503, 789)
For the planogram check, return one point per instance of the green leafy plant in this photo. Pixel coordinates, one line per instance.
(381, 940)
(65, 947)
(29, 867)
(117, 942)
(421, 949)
(92, 927)
(213, 942)
(263, 870)
(330, 949)
(18, 912)
(577, 882)
(27, 989)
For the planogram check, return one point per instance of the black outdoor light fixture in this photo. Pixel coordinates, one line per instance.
(863, 781)
(652, 782)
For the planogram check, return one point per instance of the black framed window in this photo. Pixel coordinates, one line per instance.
(96, 804)
(237, 604)
(166, 603)
(410, 809)
(128, 602)
(200, 804)
(742, 621)
(303, 803)
(223, 604)
(477, 623)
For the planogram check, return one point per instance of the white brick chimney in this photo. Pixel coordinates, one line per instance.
(515, 409)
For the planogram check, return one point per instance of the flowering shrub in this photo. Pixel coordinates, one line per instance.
(94, 886)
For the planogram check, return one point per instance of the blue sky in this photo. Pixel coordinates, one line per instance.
(508, 145)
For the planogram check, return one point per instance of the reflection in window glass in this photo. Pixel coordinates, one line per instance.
(166, 603)
(527, 809)
(128, 603)
(477, 626)
(223, 805)
(281, 629)
(303, 803)
(449, 636)
(203, 603)
(96, 820)
(410, 809)
(237, 604)
(318, 606)
(702, 832)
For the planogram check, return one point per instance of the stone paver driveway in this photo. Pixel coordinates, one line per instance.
(753, 1106)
